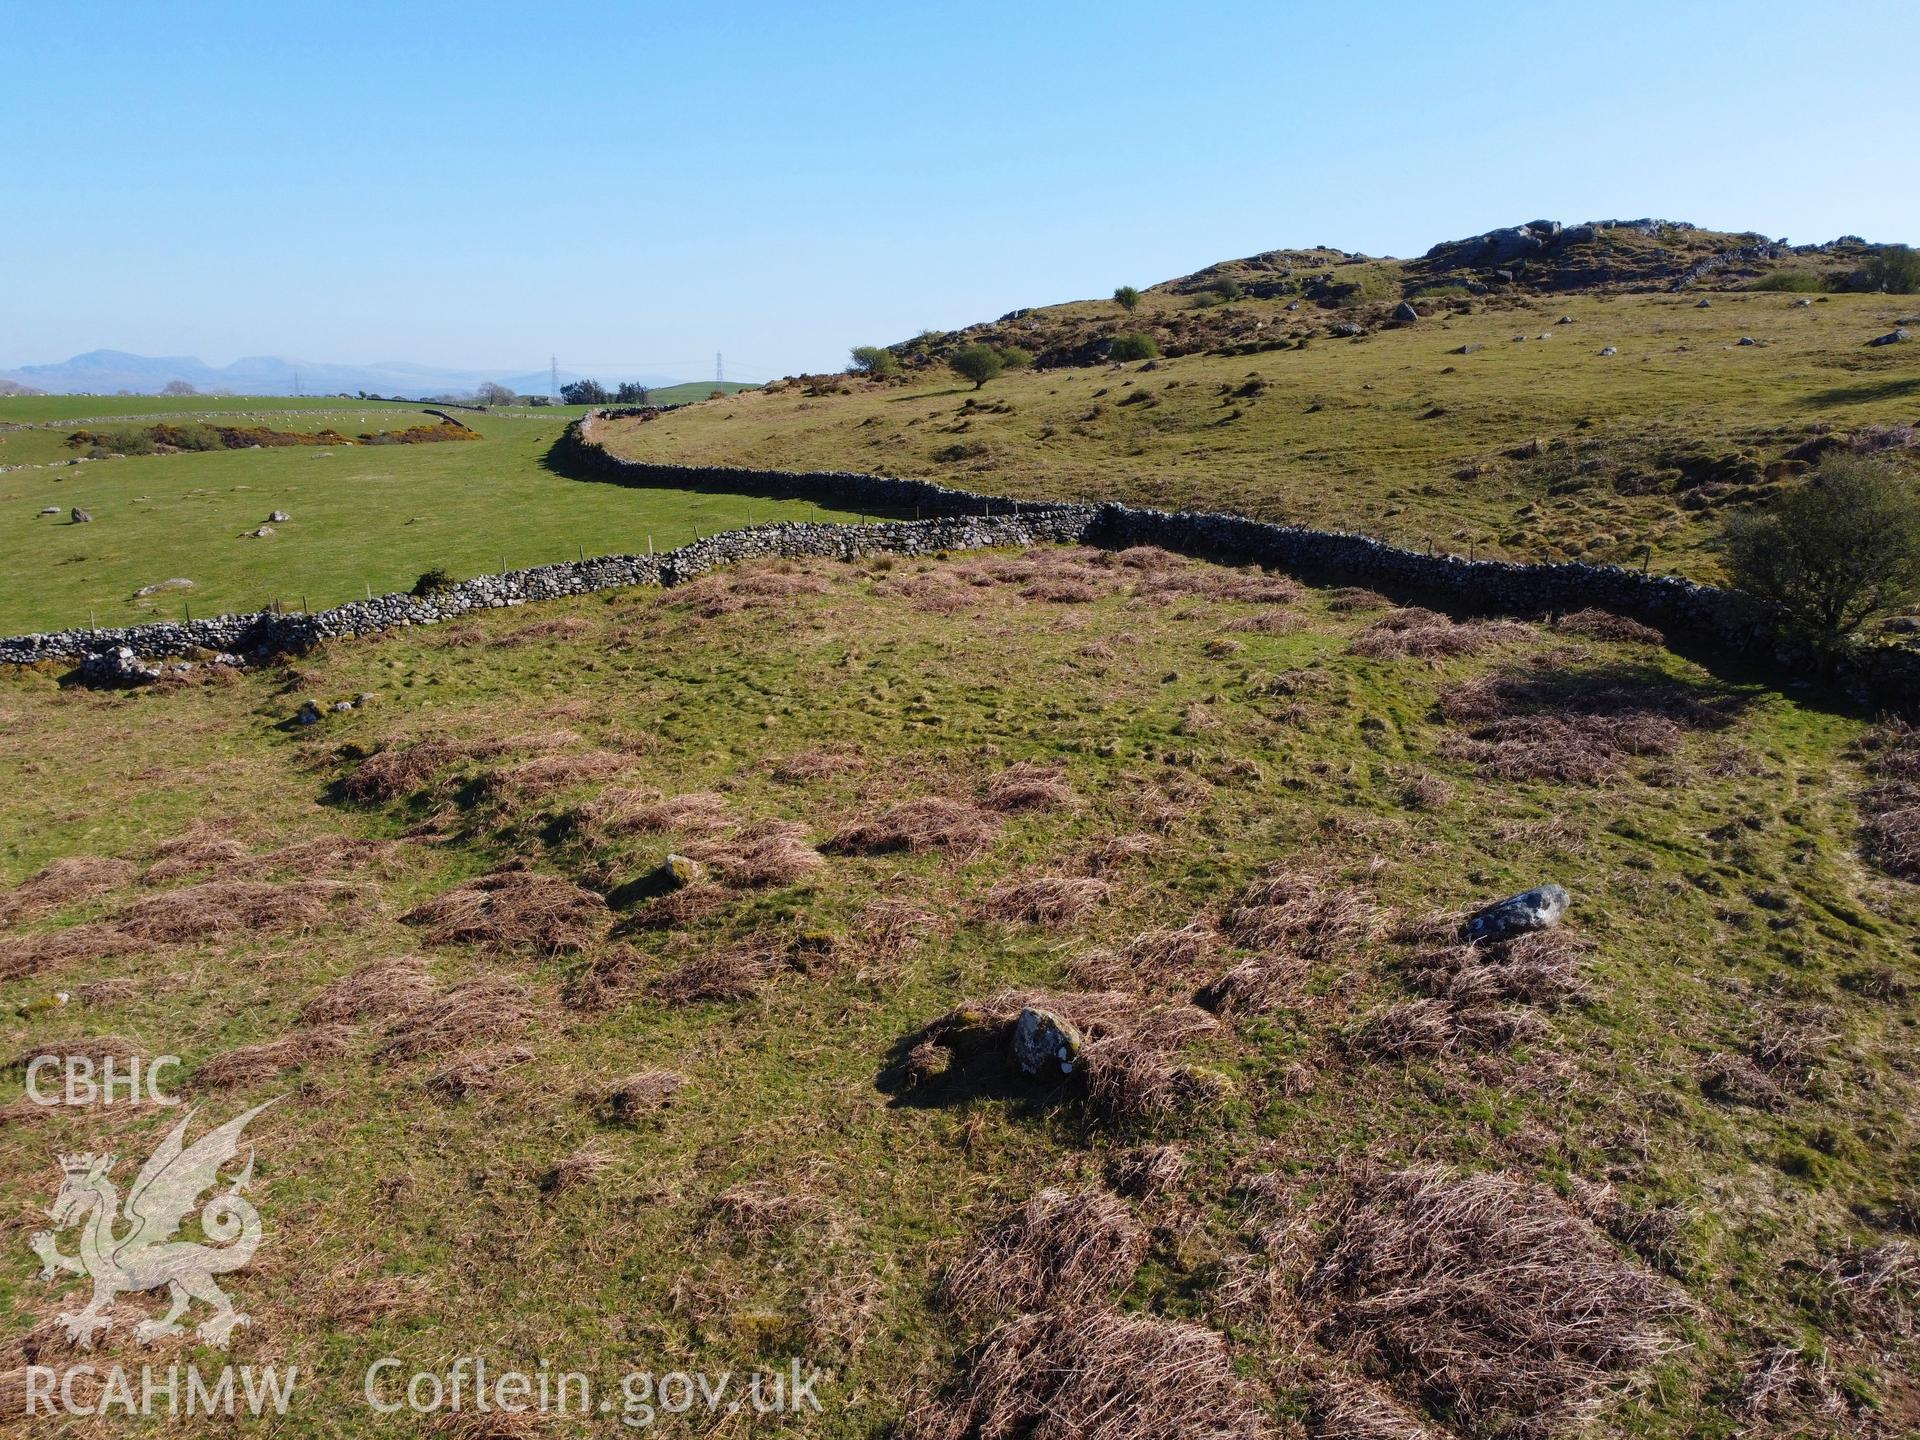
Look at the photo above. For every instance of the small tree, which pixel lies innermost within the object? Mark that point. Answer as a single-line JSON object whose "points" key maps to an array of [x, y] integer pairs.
{"points": [[1134, 345], [1015, 357], [1894, 269], [491, 393], [1127, 298], [584, 392], [178, 387], [977, 362], [1834, 553], [875, 360], [632, 392]]}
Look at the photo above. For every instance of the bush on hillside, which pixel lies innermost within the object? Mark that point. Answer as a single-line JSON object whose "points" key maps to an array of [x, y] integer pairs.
{"points": [[1833, 553], [1894, 269], [1013, 357], [1127, 298], [431, 582], [1794, 282], [875, 360], [1134, 345], [977, 362]]}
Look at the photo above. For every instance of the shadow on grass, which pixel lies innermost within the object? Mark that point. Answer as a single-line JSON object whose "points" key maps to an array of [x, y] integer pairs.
{"points": [[1892, 387]]}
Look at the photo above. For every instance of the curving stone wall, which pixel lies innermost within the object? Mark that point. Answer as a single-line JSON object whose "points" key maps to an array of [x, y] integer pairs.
{"points": [[1722, 622]]}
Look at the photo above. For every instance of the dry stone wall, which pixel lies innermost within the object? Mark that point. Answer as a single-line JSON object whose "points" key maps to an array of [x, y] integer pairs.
{"points": [[1720, 621]]}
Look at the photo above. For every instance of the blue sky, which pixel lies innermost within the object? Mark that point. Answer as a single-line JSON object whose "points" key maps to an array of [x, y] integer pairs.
{"points": [[635, 187]]}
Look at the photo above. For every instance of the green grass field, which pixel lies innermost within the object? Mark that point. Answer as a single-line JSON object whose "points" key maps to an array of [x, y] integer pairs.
{"points": [[363, 518], [1534, 449], [1708, 1077]]}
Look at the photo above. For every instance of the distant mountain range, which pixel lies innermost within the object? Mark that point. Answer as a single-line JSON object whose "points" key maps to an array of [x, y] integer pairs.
{"points": [[103, 372]]}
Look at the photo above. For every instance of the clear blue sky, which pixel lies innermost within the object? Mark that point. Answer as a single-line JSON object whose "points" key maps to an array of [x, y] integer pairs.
{"points": [[481, 184]]}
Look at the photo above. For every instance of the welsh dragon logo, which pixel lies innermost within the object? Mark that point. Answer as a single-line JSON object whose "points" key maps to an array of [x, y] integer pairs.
{"points": [[147, 1256]]}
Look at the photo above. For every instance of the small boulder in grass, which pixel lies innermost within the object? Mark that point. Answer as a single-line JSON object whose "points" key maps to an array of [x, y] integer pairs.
{"points": [[1045, 1043], [1541, 908], [676, 872]]}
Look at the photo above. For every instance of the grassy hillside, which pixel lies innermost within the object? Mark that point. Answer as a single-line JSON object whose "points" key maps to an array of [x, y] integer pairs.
{"points": [[569, 1115], [362, 518], [1541, 448]]}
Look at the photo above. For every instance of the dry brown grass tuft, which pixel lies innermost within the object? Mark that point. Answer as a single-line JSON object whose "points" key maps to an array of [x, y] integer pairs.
{"points": [[643, 812], [805, 766], [1045, 900], [389, 773], [642, 1095], [1421, 1028], [1497, 1301], [1094, 1374], [1892, 806], [931, 822], [1132, 1084], [1027, 786], [1062, 1247], [1426, 634], [1347, 598], [887, 930], [1300, 910], [1346, 1409], [478, 1071], [1148, 1171], [738, 972], [561, 627], [1151, 958], [1544, 968], [679, 909], [1737, 1080], [320, 855], [1878, 1287], [486, 1007], [22, 955], [574, 1170], [375, 991], [196, 849], [513, 909], [1578, 728], [757, 1211], [768, 852], [220, 908], [543, 774], [1254, 986], [251, 1064], [1605, 625], [71, 881]]}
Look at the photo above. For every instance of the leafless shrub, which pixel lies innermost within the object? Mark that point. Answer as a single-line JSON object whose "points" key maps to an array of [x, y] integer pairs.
{"points": [[929, 823], [642, 1095], [478, 1071], [1061, 1247], [514, 909], [1148, 1171], [487, 1007], [1605, 625], [251, 1064], [1496, 1300], [1045, 900], [384, 988], [1027, 787], [220, 908], [1094, 1374], [1414, 632], [1300, 910], [71, 881]]}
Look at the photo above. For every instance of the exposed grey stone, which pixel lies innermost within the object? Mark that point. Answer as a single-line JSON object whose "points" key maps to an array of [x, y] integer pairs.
{"points": [[1703, 303], [261, 533], [1466, 349], [1892, 337], [1541, 908], [1748, 340], [1046, 1044], [81, 517], [1405, 313], [307, 714], [278, 517], [177, 583], [117, 667], [51, 510], [1608, 350]]}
